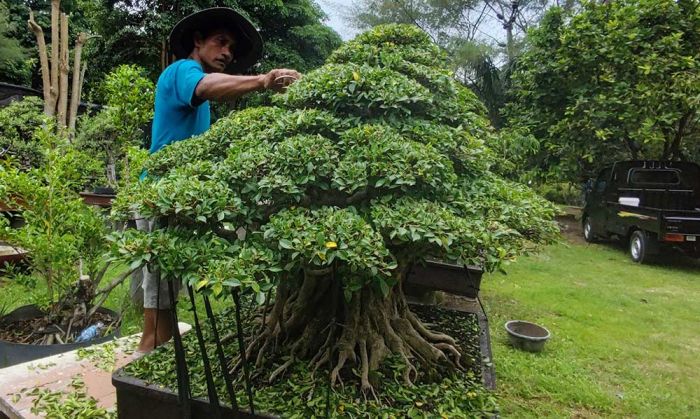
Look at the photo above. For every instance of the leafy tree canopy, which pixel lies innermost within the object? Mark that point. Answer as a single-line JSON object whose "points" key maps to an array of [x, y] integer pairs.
{"points": [[134, 31], [367, 165], [619, 80], [11, 52]]}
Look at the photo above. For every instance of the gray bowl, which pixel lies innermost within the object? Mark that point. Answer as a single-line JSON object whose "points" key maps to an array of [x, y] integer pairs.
{"points": [[527, 336]]}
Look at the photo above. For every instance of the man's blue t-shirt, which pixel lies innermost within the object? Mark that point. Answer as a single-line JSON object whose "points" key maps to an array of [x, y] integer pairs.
{"points": [[176, 117]]}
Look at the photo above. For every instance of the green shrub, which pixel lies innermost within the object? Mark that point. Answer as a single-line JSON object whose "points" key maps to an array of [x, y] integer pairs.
{"points": [[19, 121]]}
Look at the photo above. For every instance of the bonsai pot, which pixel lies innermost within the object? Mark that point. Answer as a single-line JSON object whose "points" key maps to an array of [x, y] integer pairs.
{"points": [[437, 275], [103, 190], [10, 255], [527, 336], [138, 399], [16, 353], [103, 200]]}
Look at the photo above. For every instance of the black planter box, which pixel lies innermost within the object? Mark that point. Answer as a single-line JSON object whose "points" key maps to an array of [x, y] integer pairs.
{"points": [[452, 278], [137, 399], [16, 353]]}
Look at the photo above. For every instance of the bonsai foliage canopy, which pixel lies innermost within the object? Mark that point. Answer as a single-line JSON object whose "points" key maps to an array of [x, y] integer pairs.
{"points": [[367, 165]]}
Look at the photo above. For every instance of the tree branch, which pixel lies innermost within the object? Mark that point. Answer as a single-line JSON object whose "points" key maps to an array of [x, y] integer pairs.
{"points": [[76, 88], [104, 292]]}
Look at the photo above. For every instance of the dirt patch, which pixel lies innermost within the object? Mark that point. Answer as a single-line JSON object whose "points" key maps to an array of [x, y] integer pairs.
{"points": [[570, 228]]}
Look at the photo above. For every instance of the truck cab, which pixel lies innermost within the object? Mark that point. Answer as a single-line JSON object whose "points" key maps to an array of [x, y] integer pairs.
{"points": [[652, 204]]}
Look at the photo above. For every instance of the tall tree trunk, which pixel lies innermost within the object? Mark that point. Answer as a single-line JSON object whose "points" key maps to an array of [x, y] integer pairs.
{"points": [[675, 149], [43, 60], [76, 88], [55, 26], [63, 75]]}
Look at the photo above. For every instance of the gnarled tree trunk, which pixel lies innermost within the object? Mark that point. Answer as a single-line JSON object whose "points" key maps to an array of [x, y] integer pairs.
{"points": [[312, 321]]}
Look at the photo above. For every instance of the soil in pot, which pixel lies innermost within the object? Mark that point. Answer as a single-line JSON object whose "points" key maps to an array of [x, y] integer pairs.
{"points": [[300, 393], [22, 331]]}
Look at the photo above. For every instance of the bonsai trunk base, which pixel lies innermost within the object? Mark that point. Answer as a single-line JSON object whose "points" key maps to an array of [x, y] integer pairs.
{"points": [[315, 324]]}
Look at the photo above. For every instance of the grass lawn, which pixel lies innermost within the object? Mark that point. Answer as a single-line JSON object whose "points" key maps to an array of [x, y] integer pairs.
{"points": [[626, 338]]}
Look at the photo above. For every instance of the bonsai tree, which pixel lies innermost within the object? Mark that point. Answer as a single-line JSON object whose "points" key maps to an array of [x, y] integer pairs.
{"points": [[366, 166], [116, 129], [64, 237]]}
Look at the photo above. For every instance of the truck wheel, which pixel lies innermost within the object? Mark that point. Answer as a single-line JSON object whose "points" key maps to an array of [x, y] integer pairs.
{"points": [[640, 247], [588, 230]]}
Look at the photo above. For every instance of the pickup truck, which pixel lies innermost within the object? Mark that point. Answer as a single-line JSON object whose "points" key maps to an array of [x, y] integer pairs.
{"points": [[653, 205]]}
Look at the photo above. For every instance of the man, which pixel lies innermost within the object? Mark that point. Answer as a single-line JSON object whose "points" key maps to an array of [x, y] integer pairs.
{"points": [[210, 46]]}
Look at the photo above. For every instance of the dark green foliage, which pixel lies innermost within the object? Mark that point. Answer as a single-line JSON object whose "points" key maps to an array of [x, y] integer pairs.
{"points": [[619, 80], [13, 67], [19, 121], [351, 141]]}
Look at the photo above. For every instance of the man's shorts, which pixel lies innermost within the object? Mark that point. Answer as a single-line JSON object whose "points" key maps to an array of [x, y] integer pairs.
{"points": [[144, 283]]}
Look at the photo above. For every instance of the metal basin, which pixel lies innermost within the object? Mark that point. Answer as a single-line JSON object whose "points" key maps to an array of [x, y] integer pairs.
{"points": [[527, 336]]}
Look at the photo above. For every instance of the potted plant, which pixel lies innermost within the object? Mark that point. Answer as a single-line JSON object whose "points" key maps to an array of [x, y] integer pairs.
{"points": [[65, 243], [364, 168]]}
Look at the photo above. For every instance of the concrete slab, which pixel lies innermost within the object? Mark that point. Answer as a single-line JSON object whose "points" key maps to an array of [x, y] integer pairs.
{"points": [[89, 368]]}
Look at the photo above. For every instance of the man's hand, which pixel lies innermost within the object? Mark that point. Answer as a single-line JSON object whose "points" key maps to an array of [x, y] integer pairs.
{"points": [[279, 79]]}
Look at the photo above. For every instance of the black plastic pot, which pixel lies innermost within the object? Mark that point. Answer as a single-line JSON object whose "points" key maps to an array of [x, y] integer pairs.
{"points": [[15, 353]]}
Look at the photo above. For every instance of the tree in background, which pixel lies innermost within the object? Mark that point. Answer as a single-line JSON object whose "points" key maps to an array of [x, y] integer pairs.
{"points": [[119, 126], [135, 32], [12, 55], [28, 72], [470, 32], [619, 80]]}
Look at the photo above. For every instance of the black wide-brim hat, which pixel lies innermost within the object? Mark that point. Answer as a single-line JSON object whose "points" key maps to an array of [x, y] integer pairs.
{"points": [[248, 44]]}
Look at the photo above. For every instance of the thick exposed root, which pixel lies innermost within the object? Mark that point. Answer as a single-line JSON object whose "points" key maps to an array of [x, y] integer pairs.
{"points": [[313, 322]]}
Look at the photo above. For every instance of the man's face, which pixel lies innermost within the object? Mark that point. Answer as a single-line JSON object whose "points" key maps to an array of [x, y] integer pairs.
{"points": [[216, 50]]}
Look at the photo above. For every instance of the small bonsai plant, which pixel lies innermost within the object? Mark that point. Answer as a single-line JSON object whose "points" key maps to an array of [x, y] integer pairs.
{"points": [[117, 131], [366, 166]]}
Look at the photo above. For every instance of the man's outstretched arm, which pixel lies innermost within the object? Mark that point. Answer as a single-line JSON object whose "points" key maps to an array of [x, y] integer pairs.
{"points": [[221, 87]]}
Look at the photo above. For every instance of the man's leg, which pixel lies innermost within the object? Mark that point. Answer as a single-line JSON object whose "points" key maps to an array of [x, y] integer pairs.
{"points": [[151, 336], [157, 317]]}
